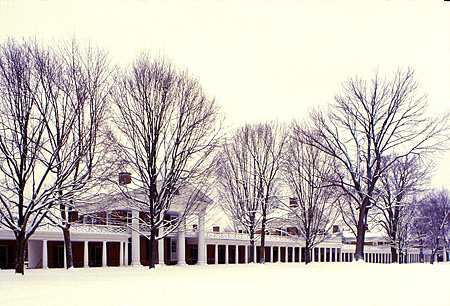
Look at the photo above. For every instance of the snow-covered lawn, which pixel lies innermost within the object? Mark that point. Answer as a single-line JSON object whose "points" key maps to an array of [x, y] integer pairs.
{"points": [[271, 284]]}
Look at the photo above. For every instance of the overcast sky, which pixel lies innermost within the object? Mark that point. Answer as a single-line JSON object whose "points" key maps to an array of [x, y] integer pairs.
{"points": [[262, 60]]}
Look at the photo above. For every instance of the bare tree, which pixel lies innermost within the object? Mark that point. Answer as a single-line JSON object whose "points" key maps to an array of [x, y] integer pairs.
{"points": [[20, 144], [307, 172], [266, 144], [399, 185], [77, 90], [237, 186], [254, 155], [367, 122], [434, 220], [168, 129], [29, 79]]}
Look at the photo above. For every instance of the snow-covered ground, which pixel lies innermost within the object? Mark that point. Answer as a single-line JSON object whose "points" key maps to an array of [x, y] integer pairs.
{"points": [[271, 284]]}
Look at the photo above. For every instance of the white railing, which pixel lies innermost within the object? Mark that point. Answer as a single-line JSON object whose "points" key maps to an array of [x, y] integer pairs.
{"points": [[143, 228], [48, 228], [242, 236], [227, 235], [87, 228], [281, 238], [96, 228]]}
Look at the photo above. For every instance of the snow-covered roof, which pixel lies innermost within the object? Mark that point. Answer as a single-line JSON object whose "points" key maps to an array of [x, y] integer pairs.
{"points": [[369, 236], [123, 200]]}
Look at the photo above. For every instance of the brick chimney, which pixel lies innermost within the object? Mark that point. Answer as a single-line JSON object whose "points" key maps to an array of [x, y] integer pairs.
{"points": [[124, 178]]}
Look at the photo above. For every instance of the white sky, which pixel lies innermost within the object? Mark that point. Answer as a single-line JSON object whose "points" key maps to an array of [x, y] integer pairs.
{"points": [[262, 60]]}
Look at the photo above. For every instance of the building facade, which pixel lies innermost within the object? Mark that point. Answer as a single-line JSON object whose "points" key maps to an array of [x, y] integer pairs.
{"points": [[115, 235]]}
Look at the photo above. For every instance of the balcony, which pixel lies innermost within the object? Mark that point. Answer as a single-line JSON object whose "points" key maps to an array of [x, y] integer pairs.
{"points": [[88, 228], [245, 237]]}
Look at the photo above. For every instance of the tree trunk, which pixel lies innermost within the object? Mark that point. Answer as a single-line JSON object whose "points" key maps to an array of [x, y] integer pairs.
{"points": [[262, 255], [307, 254], [421, 259], [68, 244], [393, 254], [152, 249], [20, 253], [251, 257], [361, 230]]}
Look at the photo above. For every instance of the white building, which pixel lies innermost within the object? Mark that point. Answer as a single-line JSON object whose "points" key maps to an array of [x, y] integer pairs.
{"points": [[110, 234]]}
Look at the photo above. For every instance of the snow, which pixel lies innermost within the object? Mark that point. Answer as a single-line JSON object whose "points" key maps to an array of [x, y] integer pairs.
{"points": [[270, 284]]}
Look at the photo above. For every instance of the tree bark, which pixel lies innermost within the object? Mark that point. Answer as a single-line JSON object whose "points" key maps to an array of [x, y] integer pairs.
{"points": [[20, 253], [361, 229], [262, 255], [152, 249], [421, 251], [433, 256], [68, 244], [393, 254], [307, 254], [251, 256]]}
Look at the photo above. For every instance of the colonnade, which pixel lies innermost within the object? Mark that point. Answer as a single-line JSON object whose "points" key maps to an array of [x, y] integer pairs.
{"points": [[232, 251], [291, 254], [123, 253], [181, 242]]}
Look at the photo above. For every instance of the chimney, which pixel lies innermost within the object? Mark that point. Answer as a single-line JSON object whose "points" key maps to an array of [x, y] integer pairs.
{"points": [[124, 178], [335, 229]]}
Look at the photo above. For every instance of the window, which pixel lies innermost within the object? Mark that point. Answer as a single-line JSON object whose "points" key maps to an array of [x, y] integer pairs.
{"points": [[293, 202], [88, 219], [73, 215], [173, 249], [58, 256], [292, 231], [128, 217], [110, 218]]}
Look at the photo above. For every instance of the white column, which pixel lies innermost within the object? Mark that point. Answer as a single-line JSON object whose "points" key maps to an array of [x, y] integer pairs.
{"points": [[104, 258], [121, 247], [135, 239], [44, 255], [246, 253], [226, 254], [125, 245], [86, 254], [201, 239], [255, 252], [161, 252], [216, 254], [236, 254], [271, 259], [286, 254], [181, 245]]}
